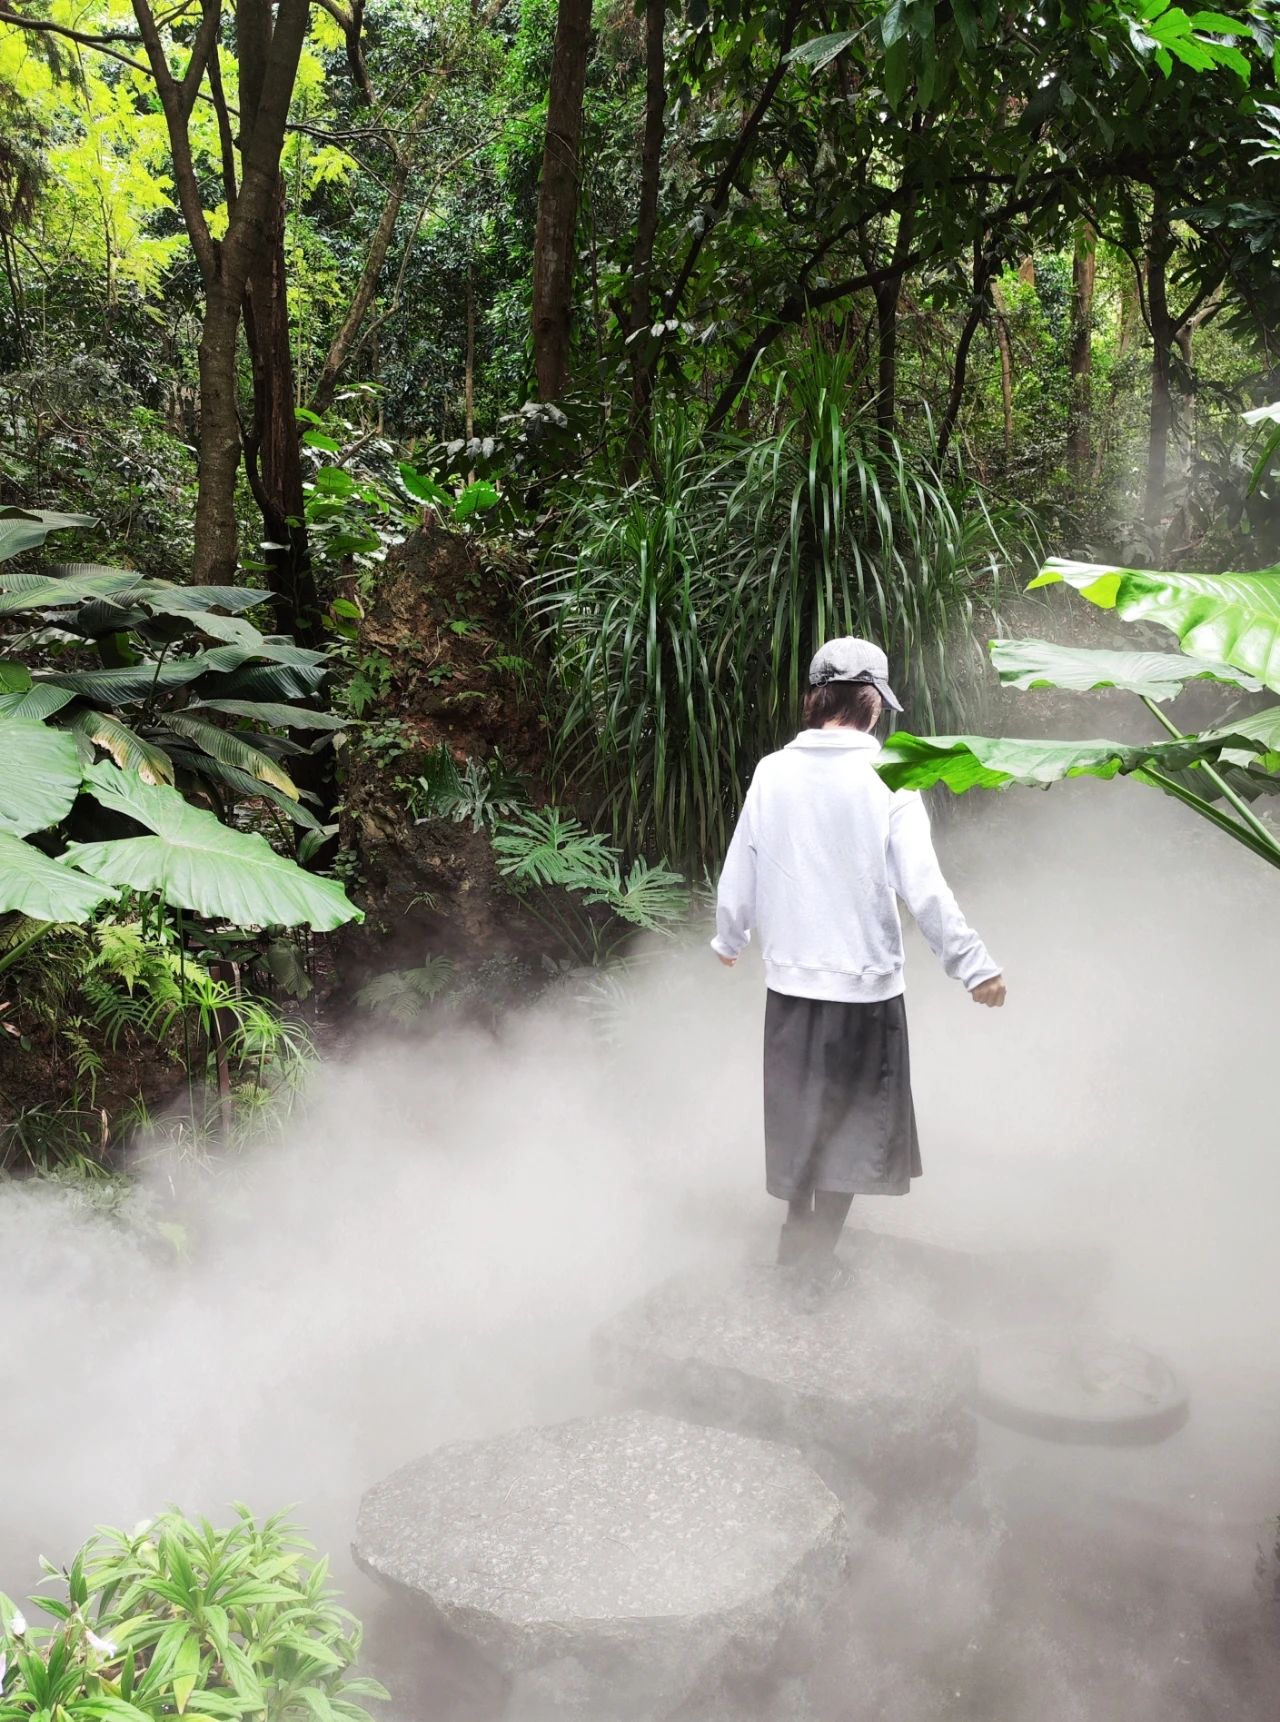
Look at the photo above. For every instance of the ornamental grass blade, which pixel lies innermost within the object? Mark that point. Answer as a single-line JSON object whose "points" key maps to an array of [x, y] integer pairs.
{"points": [[1223, 618], [197, 863], [1154, 675], [44, 890], [39, 775], [964, 762]]}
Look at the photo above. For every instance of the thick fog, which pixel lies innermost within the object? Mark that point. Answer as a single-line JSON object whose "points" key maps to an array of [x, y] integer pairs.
{"points": [[427, 1255]]}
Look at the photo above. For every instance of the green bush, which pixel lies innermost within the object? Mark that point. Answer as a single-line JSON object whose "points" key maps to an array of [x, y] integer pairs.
{"points": [[177, 1618]]}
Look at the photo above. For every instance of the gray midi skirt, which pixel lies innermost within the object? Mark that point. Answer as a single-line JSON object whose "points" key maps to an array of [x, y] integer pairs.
{"points": [[838, 1113]]}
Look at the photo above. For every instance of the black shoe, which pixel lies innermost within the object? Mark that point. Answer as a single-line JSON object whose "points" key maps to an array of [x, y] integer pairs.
{"points": [[823, 1280]]}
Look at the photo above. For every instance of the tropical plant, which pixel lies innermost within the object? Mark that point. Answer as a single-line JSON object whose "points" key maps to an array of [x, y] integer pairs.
{"points": [[179, 1618], [402, 995], [177, 692], [681, 611], [561, 872], [1228, 629], [482, 791]]}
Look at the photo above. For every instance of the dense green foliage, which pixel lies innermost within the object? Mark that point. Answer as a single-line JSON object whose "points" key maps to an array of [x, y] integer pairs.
{"points": [[177, 1618], [718, 329]]}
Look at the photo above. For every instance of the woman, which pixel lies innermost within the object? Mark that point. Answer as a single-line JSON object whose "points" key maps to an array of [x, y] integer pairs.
{"points": [[821, 852]]}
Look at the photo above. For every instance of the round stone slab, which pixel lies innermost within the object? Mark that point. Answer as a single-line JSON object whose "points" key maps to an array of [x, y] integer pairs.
{"points": [[875, 1379], [612, 1564], [1079, 1384]]}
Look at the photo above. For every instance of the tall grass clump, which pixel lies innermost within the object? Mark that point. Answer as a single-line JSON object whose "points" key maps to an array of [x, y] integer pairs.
{"points": [[681, 612]]}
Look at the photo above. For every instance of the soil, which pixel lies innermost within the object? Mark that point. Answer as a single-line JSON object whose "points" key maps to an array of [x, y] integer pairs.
{"points": [[445, 628]]}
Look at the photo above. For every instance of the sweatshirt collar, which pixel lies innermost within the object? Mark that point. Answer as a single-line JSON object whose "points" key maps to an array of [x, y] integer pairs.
{"points": [[839, 737]]}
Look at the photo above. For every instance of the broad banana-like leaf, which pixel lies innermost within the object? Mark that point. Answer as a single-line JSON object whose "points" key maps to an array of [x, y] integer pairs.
{"points": [[986, 762], [1223, 618], [1262, 729], [1155, 675], [275, 716], [114, 583], [44, 890], [232, 749], [272, 681], [247, 788], [197, 863], [126, 747], [39, 701], [121, 687], [39, 776], [182, 599], [25, 528]]}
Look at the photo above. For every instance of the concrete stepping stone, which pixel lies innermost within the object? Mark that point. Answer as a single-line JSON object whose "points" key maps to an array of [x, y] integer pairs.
{"points": [[620, 1566], [872, 1385], [1079, 1384]]}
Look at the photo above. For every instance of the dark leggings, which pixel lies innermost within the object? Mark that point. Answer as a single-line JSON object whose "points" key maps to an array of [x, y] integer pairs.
{"points": [[825, 1210]]}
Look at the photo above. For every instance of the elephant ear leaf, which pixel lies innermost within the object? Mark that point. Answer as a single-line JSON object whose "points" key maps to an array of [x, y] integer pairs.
{"points": [[44, 890], [194, 861], [964, 762], [126, 747], [26, 528], [39, 776], [1154, 675], [1223, 618]]}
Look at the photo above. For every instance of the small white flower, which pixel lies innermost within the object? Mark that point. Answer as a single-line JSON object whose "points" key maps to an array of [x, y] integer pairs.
{"points": [[103, 1646], [18, 1625]]}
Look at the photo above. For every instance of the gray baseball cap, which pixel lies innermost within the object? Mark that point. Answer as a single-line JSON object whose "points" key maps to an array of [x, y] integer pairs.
{"points": [[850, 660]]}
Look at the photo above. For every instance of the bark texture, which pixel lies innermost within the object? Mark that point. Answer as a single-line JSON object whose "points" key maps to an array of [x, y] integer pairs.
{"points": [[554, 246]]}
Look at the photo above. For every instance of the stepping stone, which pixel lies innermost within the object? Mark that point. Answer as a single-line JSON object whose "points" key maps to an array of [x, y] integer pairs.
{"points": [[620, 1567], [874, 1384], [1081, 1385]]}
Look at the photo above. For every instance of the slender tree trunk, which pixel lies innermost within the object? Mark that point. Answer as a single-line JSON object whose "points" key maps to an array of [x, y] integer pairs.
{"points": [[554, 255], [1080, 352], [272, 453], [977, 310], [1005, 346], [469, 381], [1159, 250], [642, 357], [218, 461]]}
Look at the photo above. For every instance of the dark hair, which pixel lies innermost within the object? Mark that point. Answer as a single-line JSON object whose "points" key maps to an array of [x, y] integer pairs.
{"points": [[856, 704]]}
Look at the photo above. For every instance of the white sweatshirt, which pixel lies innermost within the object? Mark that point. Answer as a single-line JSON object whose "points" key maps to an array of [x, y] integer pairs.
{"points": [[820, 852]]}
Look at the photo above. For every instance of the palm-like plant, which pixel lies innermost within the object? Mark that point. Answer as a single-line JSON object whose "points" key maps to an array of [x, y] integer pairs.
{"points": [[681, 612]]}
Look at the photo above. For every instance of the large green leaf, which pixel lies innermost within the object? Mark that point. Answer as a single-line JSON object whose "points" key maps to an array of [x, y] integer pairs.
{"points": [[271, 681], [1155, 675], [129, 750], [44, 890], [247, 788], [116, 584], [25, 528], [1224, 618], [986, 762], [232, 749], [275, 715], [121, 687], [39, 701], [39, 775], [197, 863], [1263, 729]]}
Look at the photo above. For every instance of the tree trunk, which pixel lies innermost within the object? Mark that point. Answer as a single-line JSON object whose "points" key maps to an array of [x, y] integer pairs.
{"points": [[642, 356], [272, 453], [553, 247], [1159, 250], [216, 546], [1080, 352], [1005, 346]]}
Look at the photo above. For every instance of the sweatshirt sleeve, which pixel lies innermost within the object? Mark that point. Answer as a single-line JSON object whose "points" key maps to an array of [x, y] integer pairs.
{"points": [[736, 892], [917, 878]]}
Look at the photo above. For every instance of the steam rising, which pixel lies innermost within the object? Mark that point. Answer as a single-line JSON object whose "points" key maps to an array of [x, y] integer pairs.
{"points": [[426, 1259]]}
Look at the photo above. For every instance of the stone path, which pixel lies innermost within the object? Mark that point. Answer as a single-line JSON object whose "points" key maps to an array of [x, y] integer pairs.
{"points": [[614, 1566], [876, 1381]]}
